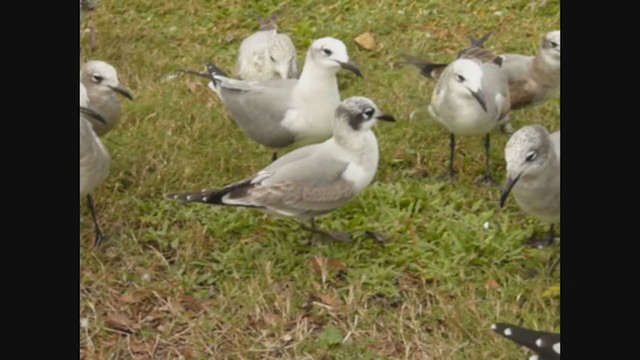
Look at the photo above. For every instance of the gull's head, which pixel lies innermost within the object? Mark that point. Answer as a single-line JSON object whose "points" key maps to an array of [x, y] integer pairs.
{"points": [[527, 153], [282, 54], [331, 53], [551, 43], [359, 114], [464, 76], [99, 76]]}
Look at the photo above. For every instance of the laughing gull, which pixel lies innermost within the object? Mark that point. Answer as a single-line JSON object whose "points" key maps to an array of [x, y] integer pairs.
{"points": [[534, 79], [471, 98], [267, 55], [533, 175], [545, 344], [283, 112], [94, 158], [103, 87], [315, 179]]}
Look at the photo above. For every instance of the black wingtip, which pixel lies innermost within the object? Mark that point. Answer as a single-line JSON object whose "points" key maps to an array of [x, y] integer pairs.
{"points": [[545, 344], [427, 68], [480, 42], [215, 71]]}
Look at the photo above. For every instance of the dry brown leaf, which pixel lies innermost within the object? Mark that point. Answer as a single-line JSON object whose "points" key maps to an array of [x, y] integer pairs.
{"points": [[121, 322], [270, 319], [492, 284], [135, 297], [318, 262], [192, 86], [366, 41], [140, 347], [329, 300]]}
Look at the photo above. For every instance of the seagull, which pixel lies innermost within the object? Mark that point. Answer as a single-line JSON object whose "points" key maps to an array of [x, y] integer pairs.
{"points": [[283, 112], [267, 55], [101, 82], [94, 158], [470, 98], [532, 79], [545, 344], [533, 175], [312, 180]]}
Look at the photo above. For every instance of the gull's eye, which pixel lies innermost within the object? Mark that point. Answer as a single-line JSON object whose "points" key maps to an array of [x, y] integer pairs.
{"points": [[554, 44], [272, 58], [368, 113], [96, 78], [327, 52], [531, 155], [460, 78]]}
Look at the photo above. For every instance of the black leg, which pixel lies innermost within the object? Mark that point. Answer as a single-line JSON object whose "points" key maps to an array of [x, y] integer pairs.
{"points": [[554, 266], [92, 33], [274, 157], [544, 242], [333, 235], [487, 179], [452, 148], [99, 235]]}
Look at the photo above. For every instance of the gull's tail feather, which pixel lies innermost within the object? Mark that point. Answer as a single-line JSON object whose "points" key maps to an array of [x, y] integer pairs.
{"points": [[216, 196], [427, 68], [546, 345]]}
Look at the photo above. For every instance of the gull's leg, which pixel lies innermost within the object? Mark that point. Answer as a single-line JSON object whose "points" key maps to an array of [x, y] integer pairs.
{"points": [[544, 242], [92, 33], [274, 157], [487, 179], [452, 147], [99, 235], [333, 235]]}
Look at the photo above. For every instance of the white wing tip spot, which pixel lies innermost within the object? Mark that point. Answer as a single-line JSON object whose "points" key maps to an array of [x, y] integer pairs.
{"points": [[556, 347], [494, 327], [190, 197], [539, 342], [205, 199], [508, 332]]}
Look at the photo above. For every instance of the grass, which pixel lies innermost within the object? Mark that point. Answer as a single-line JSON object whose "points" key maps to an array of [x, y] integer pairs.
{"points": [[196, 282]]}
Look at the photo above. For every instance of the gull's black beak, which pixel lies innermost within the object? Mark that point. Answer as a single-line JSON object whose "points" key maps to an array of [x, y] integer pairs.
{"points": [[121, 91], [386, 117], [507, 189], [351, 67], [94, 114], [478, 95]]}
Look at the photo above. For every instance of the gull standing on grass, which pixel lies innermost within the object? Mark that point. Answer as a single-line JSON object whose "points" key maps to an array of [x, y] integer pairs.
{"points": [[283, 112], [470, 98], [545, 344], [533, 175], [315, 179], [103, 87], [94, 158], [266, 55], [532, 79]]}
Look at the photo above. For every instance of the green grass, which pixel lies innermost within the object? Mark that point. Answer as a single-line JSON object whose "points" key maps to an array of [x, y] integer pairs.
{"points": [[195, 282]]}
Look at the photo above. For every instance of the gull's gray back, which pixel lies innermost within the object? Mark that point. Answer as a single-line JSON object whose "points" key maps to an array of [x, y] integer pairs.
{"points": [[259, 112]]}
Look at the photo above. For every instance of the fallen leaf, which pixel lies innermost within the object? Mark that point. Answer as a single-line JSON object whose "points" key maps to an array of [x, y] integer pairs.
{"points": [[492, 284], [135, 297], [121, 322], [140, 347], [366, 41], [318, 262], [191, 86], [270, 319], [553, 291], [329, 300]]}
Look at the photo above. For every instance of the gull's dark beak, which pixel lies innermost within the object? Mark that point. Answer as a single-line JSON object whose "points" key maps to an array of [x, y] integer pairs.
{"points": [[386, 117], [478, 95], [94, 114], [121, 91], [507, 189], [351, 67]]}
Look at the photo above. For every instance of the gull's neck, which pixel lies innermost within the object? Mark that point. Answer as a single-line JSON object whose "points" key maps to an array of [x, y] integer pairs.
{"points": [[545, 69], [316, 81]]}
